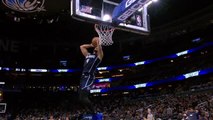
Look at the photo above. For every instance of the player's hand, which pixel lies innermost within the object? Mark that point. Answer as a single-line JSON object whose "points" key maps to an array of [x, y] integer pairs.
{"points": [[98, 43], [91, 45]]}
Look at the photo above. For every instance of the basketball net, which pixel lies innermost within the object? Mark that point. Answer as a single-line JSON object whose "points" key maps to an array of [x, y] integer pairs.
{"points": [[105, 33]]}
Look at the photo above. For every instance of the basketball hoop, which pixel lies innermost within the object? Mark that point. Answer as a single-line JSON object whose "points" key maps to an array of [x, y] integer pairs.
{"points": [[105, 33]]}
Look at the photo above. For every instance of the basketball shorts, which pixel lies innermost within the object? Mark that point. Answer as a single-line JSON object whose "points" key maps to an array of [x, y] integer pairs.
{"points": [[86, 81]]}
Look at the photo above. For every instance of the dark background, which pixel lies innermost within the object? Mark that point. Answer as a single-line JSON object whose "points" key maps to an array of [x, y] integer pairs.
{"points": [[44, 44]]}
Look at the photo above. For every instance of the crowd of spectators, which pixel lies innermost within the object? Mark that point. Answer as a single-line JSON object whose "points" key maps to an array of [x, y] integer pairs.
{"points": [[169, 68], [191, 99], [195, 102]]}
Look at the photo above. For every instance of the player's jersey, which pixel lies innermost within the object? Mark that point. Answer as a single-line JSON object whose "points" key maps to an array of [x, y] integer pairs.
{"points": [[90, 64]]}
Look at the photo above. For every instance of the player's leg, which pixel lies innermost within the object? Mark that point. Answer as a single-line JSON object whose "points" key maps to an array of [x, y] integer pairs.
{"points": [[84, 92]]}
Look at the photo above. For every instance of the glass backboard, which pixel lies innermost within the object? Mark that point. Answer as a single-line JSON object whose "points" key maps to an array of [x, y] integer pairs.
{"points": [[127, 15]]}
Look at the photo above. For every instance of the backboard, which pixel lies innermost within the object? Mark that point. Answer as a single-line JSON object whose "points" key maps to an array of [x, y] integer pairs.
{"points": [[127, 15]]}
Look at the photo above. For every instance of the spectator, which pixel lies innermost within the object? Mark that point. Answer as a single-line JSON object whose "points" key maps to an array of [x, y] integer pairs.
{"points": [[149, 115], [191, 114]]}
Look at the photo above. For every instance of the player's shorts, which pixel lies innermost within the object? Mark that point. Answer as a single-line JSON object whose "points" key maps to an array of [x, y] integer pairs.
{"points": [[86, 81]]}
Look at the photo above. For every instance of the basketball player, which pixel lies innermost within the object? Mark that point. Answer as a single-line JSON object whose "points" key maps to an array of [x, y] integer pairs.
{"points": [[92, 60]]}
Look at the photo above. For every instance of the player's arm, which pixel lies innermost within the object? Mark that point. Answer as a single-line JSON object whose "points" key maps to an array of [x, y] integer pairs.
{"points": [[100, 51], [84, 48]]}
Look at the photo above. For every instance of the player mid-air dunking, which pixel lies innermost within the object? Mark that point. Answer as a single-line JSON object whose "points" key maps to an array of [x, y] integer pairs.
{"points": [[91, 62]]}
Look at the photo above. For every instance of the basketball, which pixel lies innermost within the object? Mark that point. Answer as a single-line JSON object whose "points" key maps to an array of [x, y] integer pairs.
{"points": [[95, 41]]}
